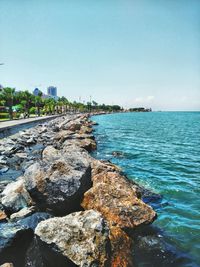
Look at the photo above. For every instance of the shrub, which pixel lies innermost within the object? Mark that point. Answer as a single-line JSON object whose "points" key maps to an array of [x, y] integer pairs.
{"points": [[4, 115], [32, 110]]}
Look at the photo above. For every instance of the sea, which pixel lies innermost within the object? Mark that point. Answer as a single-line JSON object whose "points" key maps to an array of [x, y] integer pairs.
{"points": [[160, 151]]}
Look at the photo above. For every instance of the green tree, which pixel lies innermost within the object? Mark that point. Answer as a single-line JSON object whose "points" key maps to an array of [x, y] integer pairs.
{"points": [[26, 99], [39, 103], [50, 106], [66, 103], [7, 97]]}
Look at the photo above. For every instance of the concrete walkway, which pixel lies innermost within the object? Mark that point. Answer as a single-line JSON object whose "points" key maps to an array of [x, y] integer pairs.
{"points": [[8, 126]]}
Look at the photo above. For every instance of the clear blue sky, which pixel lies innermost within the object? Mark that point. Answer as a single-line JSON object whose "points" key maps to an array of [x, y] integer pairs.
{"points": [[132, 53]]}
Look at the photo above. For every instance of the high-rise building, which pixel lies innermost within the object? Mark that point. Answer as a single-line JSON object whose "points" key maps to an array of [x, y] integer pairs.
{"points": [[36, 91], [52, 90]]}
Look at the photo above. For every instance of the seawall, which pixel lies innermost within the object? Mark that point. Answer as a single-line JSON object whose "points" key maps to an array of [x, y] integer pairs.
{"points": [[66, 208]]}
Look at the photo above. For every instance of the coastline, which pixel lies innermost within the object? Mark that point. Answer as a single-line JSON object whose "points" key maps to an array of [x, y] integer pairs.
{"points": [[67, 181], [11, 127], [131, 146]]}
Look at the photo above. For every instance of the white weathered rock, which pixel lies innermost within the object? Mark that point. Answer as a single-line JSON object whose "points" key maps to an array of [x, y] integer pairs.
{"points": [[82, 237], [22, 213], [50, 153], [7, 265], [15, 196]]}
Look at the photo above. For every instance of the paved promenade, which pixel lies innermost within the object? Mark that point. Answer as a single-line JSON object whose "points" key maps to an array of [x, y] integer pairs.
{"points": [[7, 126]]}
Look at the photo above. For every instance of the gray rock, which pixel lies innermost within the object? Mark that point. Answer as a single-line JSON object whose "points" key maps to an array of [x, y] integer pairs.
{"points": [[14, 161], [21, 155], [73, 126], [31, 140], [3, 160], [63, 135], [25, 164], [50, 154], [87, 144], [32, 221], [63, 125], [118, 154], [81, 238], [33, 257], [83, 136], [94, 123], [60, 180], [86, 129], [20, 230]]}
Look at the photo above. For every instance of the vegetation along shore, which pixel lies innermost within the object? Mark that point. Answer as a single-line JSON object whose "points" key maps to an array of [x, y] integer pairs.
{"points": [[23, 104], [63, 207]]}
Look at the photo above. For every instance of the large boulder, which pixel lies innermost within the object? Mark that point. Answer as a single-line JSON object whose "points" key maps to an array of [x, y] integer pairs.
{"points": [[117, 200], [63, 135], [15, 197], [94, 123], [86, 143], [16, 237], [60, 180], [99, 166], [83, 136], [33, 257], [82, 239], [63, 125], [85, 129], [74, 126], [10, 232]]}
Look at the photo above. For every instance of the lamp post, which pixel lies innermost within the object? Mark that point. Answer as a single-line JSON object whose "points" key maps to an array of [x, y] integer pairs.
{"points": [[90, 103]]}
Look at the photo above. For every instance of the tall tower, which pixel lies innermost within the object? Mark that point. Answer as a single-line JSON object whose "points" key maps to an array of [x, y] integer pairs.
{"points": [[52, 91]]}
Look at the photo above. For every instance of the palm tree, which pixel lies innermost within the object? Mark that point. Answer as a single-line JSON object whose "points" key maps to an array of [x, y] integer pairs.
{"points": [[65, 103], [94, 104], [50, 105], [7, 95], [39, 102], [26, 99]]}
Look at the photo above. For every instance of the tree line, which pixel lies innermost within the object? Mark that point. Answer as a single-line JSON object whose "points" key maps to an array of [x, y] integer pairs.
{"points": [[16, 103]]}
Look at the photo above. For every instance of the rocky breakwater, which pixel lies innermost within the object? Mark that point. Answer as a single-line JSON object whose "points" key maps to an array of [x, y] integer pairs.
{"points": [[66, 208]]}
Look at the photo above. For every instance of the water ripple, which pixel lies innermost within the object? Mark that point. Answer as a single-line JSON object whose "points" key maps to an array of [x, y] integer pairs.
{"points": [[161, 150]]}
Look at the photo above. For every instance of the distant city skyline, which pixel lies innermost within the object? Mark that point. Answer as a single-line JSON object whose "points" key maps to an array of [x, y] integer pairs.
{"points": [[50, 92], [130, 53]]}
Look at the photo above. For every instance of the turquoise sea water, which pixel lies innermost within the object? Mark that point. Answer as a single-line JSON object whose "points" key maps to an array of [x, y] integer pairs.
{"points": [[160, 150]]}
